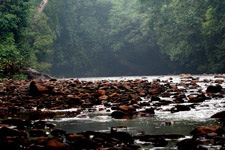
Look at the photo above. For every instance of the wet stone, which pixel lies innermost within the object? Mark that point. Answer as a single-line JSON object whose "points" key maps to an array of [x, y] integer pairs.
{"points": [[214, 89], [37, 133]]}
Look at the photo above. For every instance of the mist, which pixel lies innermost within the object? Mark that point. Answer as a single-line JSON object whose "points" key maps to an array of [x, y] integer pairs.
{"points": [[131, 37]]}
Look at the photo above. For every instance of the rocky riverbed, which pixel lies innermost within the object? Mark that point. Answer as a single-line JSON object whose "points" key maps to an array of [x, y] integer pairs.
{"points": [[29, 109]]}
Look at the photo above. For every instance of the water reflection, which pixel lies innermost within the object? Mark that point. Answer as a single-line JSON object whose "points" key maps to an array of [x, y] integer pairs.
{"points": [[152, 125]]}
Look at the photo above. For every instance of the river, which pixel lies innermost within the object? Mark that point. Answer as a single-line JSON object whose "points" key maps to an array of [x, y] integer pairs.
{"points": [[163, 122]]}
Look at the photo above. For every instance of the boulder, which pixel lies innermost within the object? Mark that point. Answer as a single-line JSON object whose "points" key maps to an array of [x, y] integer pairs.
{"points": [[178, 108], [34, 74], [155, 98], [58, 132], [37, 133], [220, 115], [100, 93], [14, 122], [121, 115], [220, 81], [187, 144], [214, 89], [4, 131], [127, 108], [55, 144], [37, 89], [204, 130]]}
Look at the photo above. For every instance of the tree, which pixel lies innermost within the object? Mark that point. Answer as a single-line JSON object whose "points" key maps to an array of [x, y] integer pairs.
{"points": [[13, 23]]}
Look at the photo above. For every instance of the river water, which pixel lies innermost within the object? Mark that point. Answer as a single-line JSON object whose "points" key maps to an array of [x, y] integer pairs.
{"points": [[163, 122]]}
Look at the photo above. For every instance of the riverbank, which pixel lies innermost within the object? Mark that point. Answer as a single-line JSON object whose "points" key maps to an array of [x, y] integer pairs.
{"points": [[28, 102]]}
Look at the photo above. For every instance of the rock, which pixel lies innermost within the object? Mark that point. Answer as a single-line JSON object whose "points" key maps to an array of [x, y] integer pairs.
{"points": [[53, 79], [103, 97], [100, 93], [37, 133], [219, 81], [75, 137], [178, 108], [121, 115], [14, 122], [127, 87], [58, 132], [34, 74], [127, 108], [214, 89], [207, 80], [4, 131], [39, 125], [55, 144], [204, 130], [220, 114], [79, 141], [6, 144], [37, 89], [123, 137], [50, 125], [173, 86], [219, 76], [187, 144], [153, 91], [41, 141], [198, 98], [74, 100], [186, 76], [147, 112], [155, 98]]}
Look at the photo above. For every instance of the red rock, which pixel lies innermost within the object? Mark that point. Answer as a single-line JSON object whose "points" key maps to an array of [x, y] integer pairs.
{"points": [[219, 76], [207, 80], [103, 97], [127, 108], [204, 130], [219, 81], [126, 86], [153, 91], [42, 140], [185, 76], [37, 89], [100, 92], [73, 137], [55, 144], [141, 92]]}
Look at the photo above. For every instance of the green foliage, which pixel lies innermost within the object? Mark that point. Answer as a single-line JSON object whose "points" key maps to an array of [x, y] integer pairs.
{"points": [[191, 32], [13, 23], [112, 37]]}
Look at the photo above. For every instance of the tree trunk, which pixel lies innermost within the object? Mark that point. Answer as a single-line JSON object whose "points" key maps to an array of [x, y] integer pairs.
{"points": [[42, 6]]}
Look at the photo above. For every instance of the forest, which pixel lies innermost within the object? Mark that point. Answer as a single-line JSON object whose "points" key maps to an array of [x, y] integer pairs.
{"points": [[77, 38]]}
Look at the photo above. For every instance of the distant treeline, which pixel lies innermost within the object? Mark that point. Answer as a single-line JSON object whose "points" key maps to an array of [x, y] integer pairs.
{"points": [[78, 38]]}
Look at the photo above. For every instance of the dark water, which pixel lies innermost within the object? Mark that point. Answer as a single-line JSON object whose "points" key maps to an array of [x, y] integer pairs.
{"points": [[150, 125]]}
